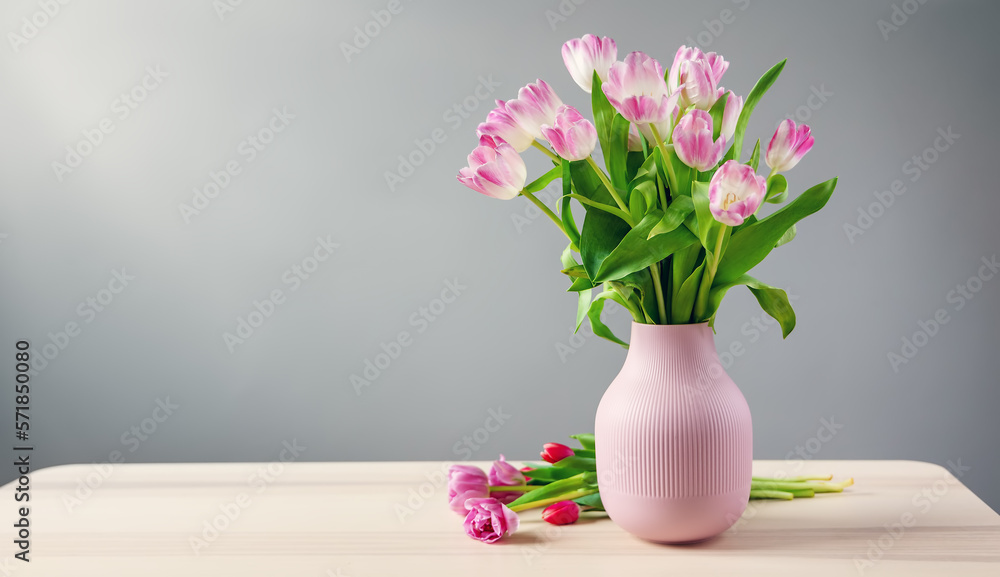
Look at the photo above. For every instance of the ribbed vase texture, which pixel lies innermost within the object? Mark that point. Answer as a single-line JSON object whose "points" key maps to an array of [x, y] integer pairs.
{"points": [[674, 438]]}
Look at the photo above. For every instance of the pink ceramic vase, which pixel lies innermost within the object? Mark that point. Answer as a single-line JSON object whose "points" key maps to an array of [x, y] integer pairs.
{"points": [[674, 438]]}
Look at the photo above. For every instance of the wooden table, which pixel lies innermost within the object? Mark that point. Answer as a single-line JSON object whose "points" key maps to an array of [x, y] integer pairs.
{"points": [[357, 519]]}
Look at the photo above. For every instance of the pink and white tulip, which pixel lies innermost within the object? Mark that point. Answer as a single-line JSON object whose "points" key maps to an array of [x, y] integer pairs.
{"points": [[731, 115], [489, 520], [637, 90], [572, 136], [585, 55], [698, 88], [735, 193], [503, 474], [495, 169], [693, 141], [466, 482], [535, 105], [561, 513], [501, 123], [716, 64], [788, 145]]}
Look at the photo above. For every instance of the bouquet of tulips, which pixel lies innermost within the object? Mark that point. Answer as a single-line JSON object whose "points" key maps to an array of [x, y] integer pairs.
{"points": [[671, 219], [566, 486]]}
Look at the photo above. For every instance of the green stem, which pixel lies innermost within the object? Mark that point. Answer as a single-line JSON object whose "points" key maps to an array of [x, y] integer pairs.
{"points": [[701, 303], [607, 183], [541, 206], [761, 494], [555, 157], [624, 215], [654, 270], [667, 165], [546, 502], [520, 488]]}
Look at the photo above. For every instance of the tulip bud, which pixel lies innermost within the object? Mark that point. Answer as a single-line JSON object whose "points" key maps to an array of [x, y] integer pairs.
{"points": [[735, 193], [562, 513], [585, 55], [693, 141], [788, 145], [495, 169], [555, 452], [731, 115], [572, 137]]}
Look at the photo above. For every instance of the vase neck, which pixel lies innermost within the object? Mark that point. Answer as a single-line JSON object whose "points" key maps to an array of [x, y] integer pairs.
{"points": [[672, 343]]}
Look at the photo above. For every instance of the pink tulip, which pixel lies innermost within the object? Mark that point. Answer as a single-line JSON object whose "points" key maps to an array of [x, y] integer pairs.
{"points": [[637, 90], [555, 452], [693, 141], [535, 105], [698, 88], [500, 123], [731, 115], [715, 63], [562, 513], [504, 474], [489, 520], [585, 55], [466, 482], [573, 137], [788, 145], [495, 169], [735, 193]]}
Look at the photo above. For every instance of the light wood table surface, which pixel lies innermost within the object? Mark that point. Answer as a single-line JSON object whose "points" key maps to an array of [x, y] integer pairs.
{"points": [[358, 519]]}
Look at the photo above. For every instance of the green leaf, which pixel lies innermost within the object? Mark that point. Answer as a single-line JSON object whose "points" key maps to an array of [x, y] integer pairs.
{"points": [[641, 281], [580, 284], [618, 156], [717, 111], [683, 305], [753, 98], [592, 502], [602, 233], [755, 156], [647, 188], [586, 440], [565, 210], [575, 271], [776, 189], [636, 250], [577, 462], [588, 184], [586, 453], [707, 225], [674, 216], [544, 180], [551, 473], [604, 115], [582, 306], [787, 237], [594, 314], [773, 300], [587, 480], [752, 243], [636, 205]]}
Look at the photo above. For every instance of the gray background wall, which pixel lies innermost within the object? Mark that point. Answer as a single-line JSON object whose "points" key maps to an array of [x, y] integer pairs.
{"points": [[886, 94]]}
